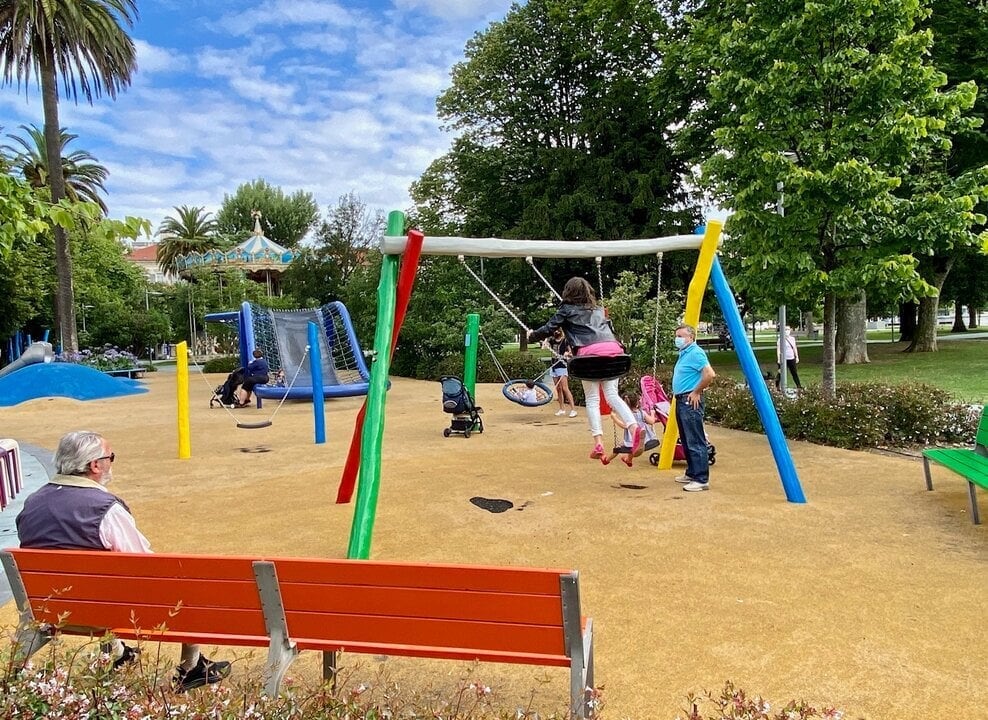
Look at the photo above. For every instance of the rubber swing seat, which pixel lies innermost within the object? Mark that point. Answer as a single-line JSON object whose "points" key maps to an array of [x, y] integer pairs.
{"points": [[254, 425], [598, 367]]}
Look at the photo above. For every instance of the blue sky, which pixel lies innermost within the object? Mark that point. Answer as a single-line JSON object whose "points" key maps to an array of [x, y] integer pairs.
{"points": [[327, 97]]}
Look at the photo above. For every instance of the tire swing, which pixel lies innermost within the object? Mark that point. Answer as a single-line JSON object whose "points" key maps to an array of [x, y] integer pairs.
{"points": [[517, 390]]}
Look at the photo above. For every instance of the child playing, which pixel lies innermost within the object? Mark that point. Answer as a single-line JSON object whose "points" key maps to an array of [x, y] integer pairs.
{"points": [[644, 422], [531, 395]]}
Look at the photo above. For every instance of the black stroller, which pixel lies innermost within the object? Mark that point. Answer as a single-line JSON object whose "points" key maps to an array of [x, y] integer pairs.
{"points": [[458, 403], [225, 395]]}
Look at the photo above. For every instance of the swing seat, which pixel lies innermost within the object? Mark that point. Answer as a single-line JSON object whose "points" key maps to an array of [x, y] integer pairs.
{"points": [[517, 391], [598, 367], [254, 425]]}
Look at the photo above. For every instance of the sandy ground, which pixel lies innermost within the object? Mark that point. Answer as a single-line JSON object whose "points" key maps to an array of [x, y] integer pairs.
{"points": [[871, 596]]}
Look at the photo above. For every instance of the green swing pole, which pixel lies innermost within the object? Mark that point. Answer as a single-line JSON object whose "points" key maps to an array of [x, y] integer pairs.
{"points": [[470, 354], [369, 477]]}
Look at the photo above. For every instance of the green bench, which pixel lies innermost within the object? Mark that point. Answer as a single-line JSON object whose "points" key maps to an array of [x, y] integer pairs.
{"points": [[971, 464]]}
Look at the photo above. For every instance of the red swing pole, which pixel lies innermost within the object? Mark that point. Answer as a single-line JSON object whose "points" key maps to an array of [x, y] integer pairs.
{"points": [[406, 280]]}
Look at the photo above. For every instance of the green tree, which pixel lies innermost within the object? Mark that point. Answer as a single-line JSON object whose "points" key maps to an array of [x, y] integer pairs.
{"points": [[286, 219], [558, 135], [191, 229], [340, 247], [84, 175], [83, 43], [845, 88]]}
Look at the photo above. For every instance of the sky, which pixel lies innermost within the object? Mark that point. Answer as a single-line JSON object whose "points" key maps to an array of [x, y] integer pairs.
{"points": [[327, 97]]}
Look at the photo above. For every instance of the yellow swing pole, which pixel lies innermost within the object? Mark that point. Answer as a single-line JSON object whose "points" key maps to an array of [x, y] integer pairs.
{"points": [[694, 299]]}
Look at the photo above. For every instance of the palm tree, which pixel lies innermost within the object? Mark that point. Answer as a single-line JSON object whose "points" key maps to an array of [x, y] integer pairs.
{"points": [[83, 42], [84, 176], [193, 230]]}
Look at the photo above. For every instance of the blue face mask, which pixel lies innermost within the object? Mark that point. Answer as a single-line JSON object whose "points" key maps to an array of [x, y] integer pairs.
{"points": [[680, 342]]}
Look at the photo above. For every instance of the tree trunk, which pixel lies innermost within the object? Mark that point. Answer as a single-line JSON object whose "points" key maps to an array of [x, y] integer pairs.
{"points": [[67, 335], [808, 325], [851, 342], [959, 325], [828, 386], [907, 321], [926, 327], [972, 316]]}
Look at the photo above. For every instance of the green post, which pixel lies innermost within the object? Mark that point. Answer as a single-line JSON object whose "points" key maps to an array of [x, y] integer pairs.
{"points": [[470, 354], [369, 477]]}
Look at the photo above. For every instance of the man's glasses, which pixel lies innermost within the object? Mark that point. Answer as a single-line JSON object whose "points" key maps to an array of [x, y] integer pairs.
{"points": [[111, 457]]}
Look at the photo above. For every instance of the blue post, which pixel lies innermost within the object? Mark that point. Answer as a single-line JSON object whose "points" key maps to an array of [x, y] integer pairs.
{"points": [[45, 338], [759, 391], [315, 370], [18, 344]]}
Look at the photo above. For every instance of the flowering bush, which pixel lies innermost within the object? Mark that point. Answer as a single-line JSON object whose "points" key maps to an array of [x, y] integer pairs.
{"points": [[862, 415], [62, 683], [735, 704], [109, 358]]}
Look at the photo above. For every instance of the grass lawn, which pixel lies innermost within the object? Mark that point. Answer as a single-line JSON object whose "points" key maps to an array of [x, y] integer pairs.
{"points": [[960, 367]]}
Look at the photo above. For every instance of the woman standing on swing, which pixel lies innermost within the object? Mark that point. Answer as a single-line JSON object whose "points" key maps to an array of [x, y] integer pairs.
{"points": [[589, 333]]}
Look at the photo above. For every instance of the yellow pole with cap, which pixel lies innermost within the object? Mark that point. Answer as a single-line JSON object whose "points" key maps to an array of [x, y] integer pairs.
{"points": [[182, 377], [694, 299]]}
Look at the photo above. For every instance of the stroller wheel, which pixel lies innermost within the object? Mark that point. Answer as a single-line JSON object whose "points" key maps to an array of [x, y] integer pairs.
{"points": [[466, 433], [447, 432], [653, 459], [711, 454]]}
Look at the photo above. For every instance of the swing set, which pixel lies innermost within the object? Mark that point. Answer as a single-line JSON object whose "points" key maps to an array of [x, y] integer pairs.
{"points": [[363, 467]]}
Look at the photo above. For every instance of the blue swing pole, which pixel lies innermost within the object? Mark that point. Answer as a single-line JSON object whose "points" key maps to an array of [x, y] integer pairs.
{"points": [[759, 391], [315, 370]]}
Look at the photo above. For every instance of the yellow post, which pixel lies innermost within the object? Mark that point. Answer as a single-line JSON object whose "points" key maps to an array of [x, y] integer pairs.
{"points": [[694, 299], [182, 376]]}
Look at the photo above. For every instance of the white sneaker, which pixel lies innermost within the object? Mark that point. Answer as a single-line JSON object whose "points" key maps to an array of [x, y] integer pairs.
{"points": [[572, 413], [683, 479], [695, 486], [559, 413]]}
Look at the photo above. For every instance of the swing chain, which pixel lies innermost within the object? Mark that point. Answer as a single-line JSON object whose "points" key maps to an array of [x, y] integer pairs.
{"points": [[655, 329], [531, 262]]}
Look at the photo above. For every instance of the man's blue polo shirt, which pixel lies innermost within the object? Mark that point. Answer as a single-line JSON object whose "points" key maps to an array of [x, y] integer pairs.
{"points": [[689, 369]]}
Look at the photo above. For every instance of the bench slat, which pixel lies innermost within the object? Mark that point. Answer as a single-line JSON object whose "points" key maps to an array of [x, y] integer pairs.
{"points": [[130, 565], [963, 461], [143, 591], [423, 632], [428, 575], [423, 603], [101, 614], [441, 653]]}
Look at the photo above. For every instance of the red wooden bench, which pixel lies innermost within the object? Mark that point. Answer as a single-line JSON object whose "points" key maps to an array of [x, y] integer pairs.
{"points": [[466, 612]]}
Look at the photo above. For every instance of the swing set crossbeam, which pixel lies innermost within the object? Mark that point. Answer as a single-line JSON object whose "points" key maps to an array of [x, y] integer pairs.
{"points": [[499, 248]]}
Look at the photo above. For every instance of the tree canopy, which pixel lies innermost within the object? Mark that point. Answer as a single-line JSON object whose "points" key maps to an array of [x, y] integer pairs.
{"points": [[286, 219]]}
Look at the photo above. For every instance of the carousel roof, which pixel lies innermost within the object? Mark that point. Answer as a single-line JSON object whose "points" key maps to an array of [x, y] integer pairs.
{"points": [[255, 253]]}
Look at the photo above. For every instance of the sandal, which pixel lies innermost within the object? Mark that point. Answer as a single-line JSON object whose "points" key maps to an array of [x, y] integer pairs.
{"points": [[597, 452]]}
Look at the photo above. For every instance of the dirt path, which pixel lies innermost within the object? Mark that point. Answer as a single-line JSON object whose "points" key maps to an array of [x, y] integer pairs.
{"points": [[871, 596]]}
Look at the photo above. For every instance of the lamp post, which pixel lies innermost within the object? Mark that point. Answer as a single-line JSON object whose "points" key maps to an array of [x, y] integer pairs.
{"points": [[147, 301], [781, 348], [84, 308]]}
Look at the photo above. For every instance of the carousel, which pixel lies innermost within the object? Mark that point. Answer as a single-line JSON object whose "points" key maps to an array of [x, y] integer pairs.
{"points": [[261, 260]]}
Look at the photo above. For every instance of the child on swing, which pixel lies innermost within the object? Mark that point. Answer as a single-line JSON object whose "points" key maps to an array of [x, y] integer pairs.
{"points": [[589, 332], [644, 421]]}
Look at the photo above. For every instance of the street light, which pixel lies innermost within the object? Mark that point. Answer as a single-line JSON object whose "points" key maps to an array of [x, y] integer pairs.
{"points": [[781, 348], [147, 302], [84, 308]]}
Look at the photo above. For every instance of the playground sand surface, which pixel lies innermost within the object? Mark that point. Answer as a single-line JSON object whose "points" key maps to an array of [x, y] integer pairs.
{"points": [[871, 596]]}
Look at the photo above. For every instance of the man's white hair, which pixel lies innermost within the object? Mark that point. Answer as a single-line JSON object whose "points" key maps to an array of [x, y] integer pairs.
{"points": [[76, 450]]}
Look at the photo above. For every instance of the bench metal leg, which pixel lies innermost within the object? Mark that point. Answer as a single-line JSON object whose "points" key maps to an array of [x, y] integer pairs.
{"points": [[974, 503], [281, 650], [30, 636], [329, 669], [926, 469]]}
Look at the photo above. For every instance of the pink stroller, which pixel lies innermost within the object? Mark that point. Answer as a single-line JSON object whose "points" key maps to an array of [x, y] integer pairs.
{"points": [[655, 398]]}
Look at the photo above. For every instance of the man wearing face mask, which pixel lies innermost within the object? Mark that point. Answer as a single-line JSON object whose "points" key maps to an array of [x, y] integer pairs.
{"points": [[690, 378], [75, 511]]}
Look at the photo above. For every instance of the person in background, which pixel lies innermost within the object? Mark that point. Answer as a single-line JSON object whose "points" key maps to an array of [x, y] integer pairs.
{"points": [[258, 373], [561, 351], [788, 349], [75, 511], [690, 377]]}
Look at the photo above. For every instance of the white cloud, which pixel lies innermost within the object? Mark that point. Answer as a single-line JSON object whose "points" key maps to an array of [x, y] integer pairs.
{"points": [[151, 59], [281, 13]]}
